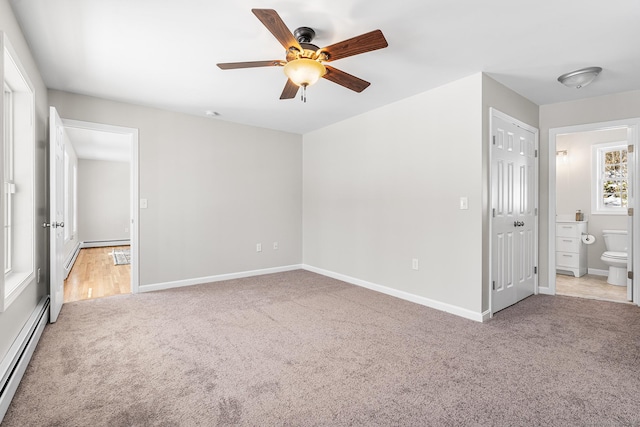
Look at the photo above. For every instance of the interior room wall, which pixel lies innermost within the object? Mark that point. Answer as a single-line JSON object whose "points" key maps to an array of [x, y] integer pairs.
{"points": [[214, 190], [383, 188], [591, 110], [104, 211], [573, 187], [14, 318]]}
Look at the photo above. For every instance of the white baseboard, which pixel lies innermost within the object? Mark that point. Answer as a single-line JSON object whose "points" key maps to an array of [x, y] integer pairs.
{"points": [[103, 243], [217, 278], [14, 364], [598, 272], [458, 311]]}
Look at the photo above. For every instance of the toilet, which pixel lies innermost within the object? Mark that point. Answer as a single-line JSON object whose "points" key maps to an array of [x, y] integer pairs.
{"points": [[616, 256]]}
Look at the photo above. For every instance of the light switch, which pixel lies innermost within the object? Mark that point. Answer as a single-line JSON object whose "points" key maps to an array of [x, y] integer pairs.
{"points": [[143, 203], [464, 203]]}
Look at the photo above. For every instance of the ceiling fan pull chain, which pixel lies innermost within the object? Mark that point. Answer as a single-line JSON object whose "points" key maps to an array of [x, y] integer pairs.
{"points": [[303, 95]]}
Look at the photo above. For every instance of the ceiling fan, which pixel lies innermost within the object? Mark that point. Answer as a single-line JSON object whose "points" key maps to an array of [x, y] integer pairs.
{"points": [[304, 62]]}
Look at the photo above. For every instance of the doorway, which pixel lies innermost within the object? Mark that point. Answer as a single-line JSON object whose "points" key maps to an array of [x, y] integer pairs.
{"points": [[575, 153], [104, 230]]}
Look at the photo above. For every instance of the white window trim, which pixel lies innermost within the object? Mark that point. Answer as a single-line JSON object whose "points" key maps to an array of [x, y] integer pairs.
{"points": [[596, 172], [9, 185], [11, 70]]}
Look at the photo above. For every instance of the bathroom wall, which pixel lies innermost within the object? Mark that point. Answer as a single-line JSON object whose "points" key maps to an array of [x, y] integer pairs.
{"points": [[573, 186]]}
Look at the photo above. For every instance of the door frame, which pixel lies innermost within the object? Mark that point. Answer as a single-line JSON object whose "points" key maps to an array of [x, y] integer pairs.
{"points": [[493, 112], [633, 126], [132, 133]]}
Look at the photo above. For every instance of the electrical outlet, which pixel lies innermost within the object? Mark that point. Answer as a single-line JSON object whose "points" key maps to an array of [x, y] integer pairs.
{"points": [[258, 247], [126, 229], [415, 264], [275, 246]]}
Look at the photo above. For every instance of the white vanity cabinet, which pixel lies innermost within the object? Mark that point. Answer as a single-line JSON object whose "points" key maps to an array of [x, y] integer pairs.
{"points": [[571, 253]]}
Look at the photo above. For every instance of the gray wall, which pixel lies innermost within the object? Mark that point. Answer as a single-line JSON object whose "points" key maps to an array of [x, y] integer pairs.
{"points": [[15, 317], [593, 110], [103, 200], [383, 188], [573, 187], [214, 190], [500, 97]]}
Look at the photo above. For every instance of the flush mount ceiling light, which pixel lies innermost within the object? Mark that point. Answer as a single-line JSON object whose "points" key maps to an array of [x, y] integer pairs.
{"points": [[580, 78]]}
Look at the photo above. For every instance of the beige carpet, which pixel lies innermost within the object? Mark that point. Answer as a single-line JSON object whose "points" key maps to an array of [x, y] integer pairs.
{"points": [[299, 349]]}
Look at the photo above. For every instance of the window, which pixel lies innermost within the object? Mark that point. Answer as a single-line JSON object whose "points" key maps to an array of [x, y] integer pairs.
{"points": [[609, 189], [18, 164], [9, 184]]}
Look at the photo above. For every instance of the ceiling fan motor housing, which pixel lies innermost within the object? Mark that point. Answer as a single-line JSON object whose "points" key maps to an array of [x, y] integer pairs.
{"points": [[304, 34]]}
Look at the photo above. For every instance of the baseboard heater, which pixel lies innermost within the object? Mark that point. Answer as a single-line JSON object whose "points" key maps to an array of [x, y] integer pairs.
{"points": [[103, 243], [15, 363]]}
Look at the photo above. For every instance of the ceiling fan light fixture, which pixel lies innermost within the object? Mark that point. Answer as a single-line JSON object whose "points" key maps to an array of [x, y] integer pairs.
{"points": [[304, 71], [580, 78]]}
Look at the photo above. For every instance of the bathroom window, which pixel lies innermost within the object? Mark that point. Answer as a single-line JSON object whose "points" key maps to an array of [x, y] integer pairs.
{"points": [[610, 188]]}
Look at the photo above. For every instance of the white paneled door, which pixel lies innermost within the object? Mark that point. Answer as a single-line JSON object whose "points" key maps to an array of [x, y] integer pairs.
{"points": [[514, 234], [56, 213]]}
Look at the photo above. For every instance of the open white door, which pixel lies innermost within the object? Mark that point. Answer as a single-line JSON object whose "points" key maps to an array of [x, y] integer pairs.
{"points": [[56, 213], [631, 200]]}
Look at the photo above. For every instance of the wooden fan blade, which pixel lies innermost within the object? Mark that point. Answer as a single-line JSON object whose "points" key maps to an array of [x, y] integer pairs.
{"points": [[345, 79], [276, 25], [360, 44], [251, 64], [290, 90]]}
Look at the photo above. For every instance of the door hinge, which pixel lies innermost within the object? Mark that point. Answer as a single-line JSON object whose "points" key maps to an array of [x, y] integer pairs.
{"points": [[535, 211], [629, 148], [630, 275], [494, 212], [536, 153], [630, 211], [535, 270], [494, 285], [494, 140]]}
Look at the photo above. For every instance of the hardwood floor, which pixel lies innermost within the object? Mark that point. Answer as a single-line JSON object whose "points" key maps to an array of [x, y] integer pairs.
{"points": [[95, 276], [590, 286]]}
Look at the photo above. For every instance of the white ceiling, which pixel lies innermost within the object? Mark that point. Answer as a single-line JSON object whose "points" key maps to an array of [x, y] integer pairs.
{"points": [[91, 144], [163, 53]]}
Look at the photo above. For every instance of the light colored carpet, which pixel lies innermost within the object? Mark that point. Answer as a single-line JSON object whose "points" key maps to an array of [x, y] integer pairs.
{"points": [[299, 349]]}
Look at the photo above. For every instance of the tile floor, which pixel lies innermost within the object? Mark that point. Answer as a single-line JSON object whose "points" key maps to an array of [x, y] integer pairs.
{"points": [[590, 286]]}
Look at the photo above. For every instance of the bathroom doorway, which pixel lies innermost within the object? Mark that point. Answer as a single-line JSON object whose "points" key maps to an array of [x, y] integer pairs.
{"points": [[578, 156]]}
